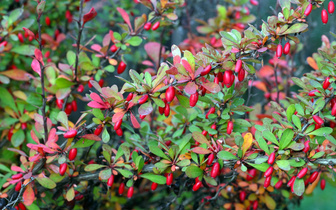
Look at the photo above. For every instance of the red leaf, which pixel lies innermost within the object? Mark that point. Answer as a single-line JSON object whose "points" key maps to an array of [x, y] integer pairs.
{"points": [[96, 47], [96, 105], [28, 195], [125, 17], [212, 87], [18, 151], [187, 66], [90, 15], [96, 97], [38, 55], [190, 88], [134, 121], [200, 150], [91, 137], [29, 32], [117, 116], [16, 168], [153, 51], [17, 74], [36, 66]]}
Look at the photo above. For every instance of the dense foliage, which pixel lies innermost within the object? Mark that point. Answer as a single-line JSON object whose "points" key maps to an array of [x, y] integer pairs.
{"points": [[81, 129]]}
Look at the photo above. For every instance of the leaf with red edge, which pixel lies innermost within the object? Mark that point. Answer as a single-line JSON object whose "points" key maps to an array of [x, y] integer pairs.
{"points": [[29, 32], [96, 47], [199, 137], [125, 16], [201, 150], [188, 68], [212, 87], [28, 195], [16, 168], [134, 121], [90, 15], [94, 104], [91, 137], [146, 108], [36, 66], [18, 151], [38, 55], [17, 74], [190, 88], [153, 51], [96, 97], [117, 116]]}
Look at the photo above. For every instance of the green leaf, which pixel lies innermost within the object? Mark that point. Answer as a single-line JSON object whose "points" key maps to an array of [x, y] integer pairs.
{"points": [[297, 122], [210, 180], [134, 41], [286, 138], [154, 178], [193, 171], [25, 23], [290, 112], [5, 168], [296, 28], [321, 132], [105, 136], [270, 136], [24, 49], [283, 164], [62, 118], [225, 155], [124, 173], [199, 137], [71, 57], [63, 83], [319, 104], [6, 99], [261, 167], [46, 182], [261, 141], [299, 187], [156, 150], [82, 143], [18, 138], [14, 16], [93, 167]]}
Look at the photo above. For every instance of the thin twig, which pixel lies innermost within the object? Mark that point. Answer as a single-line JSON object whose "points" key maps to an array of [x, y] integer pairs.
{"points": [[80, 26]]}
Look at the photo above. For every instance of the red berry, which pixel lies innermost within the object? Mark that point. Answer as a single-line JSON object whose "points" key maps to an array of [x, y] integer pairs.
{"points": [[324, 16], [10, 133], [110, 181], [154, 186], [212, 110], [216, 80], [89, 83], [143, 99], [17, 176], [156, 26], [98, 130], [255, 205], [121, 67], [129, 97], [242, 196], [313, 176], [206, 70], [193, 99], [101, 82], [326, 83], [59, 103], [114, 48], [119, 132], [167, 110], [238, 65], [70, 134], [241, 75], [170, 178], [20, 36], [318, 120], [213, 126], [142, 117], [196, 186], [18, 186], [210, 159], [148, 26], [308, 10], [62, 168], [302, 173], [251, 174], [286, 48], [254, 2], [47, 20], [220, 76], [72, 154], [278, 184], [331, 7], [130, 192], [227, 77], [323, 184], [312, 93], [68, 108], [117, 125], [121, 188], [204, 132], [306, 147], [80, 88], [271, 158], [291, 181], [214, 170], [267, 181], [170, 94], [74, 105], [229, 128], [21, 206], [31, 38], [268, 172], [279, 51], [24, 126]]}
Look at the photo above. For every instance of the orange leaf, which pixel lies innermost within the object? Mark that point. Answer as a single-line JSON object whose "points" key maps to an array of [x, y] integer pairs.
{"points": [[17, 74], [312, 63], [28, 195]]}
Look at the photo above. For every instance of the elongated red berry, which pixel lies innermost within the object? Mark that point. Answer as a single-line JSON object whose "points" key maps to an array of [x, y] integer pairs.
{"points": [[101, 82], [110, 181], [220, 76], [72, 154], [302, 173], [59, 103], [210, 159], [17, 176], [206, 70], [323, 184], [170, 178], [114, 48], [18, 186], [130, 192], [89, 83], [306, 147], [227, 77], [278, 184], [331, 7], [121, 67], [312, 93], [121, 188], [229, 128], [98, 130], [129, 97], [62, 169], [20, 36], [196, 186], [279, 51], [271, 158], [211, 111], [267, 181], [238, 65], [308, 10], [204, 132], [148, 26], [251, 174], [324, 16], [70, 134], [326, 83], [254, 2], [255, 205], [193, 99], [214, 170], [268, 172], [167, 110], [74, 105], [21, 206], [142, 116], [318, 119], [80, 88], [242, 196], [68, 108], [170, 94], [241, 75], [216, 80], [119, 132], [143, 99], [47, 21], [154, 186], [10, 134], [291, 181], [156, 26], [313, 176], [117, 125], [286, 48]]}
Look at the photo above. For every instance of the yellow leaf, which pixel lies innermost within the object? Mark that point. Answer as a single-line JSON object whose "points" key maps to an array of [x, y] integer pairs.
{"points": [[312, 63], [70, 194], [20, 94], [270, 203], [312, 186], [247, 142]]}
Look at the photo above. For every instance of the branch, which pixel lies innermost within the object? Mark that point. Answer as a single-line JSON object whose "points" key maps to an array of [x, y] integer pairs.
{"points": [[80, 26]]}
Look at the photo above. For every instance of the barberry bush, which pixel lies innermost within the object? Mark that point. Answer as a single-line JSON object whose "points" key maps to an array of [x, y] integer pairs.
{"points": [[101, 108]]}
